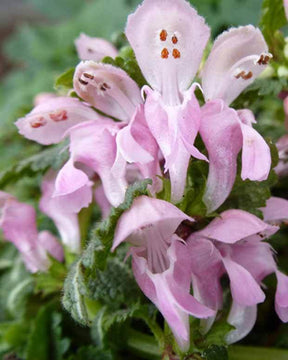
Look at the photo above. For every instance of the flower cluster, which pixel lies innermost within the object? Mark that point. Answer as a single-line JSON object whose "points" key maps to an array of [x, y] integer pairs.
{"points": [[151, 132]]}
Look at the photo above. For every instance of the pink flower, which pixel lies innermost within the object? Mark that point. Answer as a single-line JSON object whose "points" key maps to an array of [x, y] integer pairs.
{"points": [[158, 264], [286, 8], [238, 56], [63, 209], [91, 48], [48, 122], [18, 222], [233, 244], [168, 38]]}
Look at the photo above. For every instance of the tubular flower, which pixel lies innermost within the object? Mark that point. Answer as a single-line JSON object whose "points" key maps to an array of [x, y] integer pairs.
{"points": [[168, 38], [238, 56], [48, 122], [18, 222], [233, 244], [160, 270], [91, 48], [63, 209]]}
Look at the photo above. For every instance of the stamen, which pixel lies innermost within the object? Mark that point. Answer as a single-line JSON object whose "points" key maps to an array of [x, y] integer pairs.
{"points": [[176, 53], [163, 35], [174, 39], [60, 115], [82, 81], [41, 121], [244, 75], [165, 53], [264, 59], [88, 76], [105, 87]]}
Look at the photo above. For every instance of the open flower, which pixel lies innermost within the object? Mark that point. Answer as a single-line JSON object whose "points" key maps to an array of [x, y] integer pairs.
{"points": [[63, 209], [160, 270], [92, 48], [233, 244], [168, 38], [18, 222]]}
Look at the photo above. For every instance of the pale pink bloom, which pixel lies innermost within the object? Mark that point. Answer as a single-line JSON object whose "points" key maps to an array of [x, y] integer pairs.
{"points": [[237, 57], [286, 8], [282, 167], [108, 89], [276, 210], [18, 222], [92, 48], [158, 264], [233, 244], [63, 209], [106, 148], [168, 38], [102, 201], [43, 97], [48, 121]]}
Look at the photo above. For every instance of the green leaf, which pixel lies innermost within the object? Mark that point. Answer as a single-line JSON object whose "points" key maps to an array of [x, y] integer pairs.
{"points": [[215, 352], [273, 18], [45, 340], [216, 336], [128, 64], [254, 353], [64, 82], [91, 353], [39, 163]]}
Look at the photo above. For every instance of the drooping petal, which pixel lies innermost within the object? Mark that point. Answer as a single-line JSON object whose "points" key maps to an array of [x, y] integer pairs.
{"points": [[137, 145], [107, 88], [94, 146], [245, 290], [63, 209], [256, 157], [276, 210], [51, 244], [281, 298], [92, 48], [238, 56], [221, 133], [18, 222], [234, 225], [243, 318], [206, 270], [168, 38], [144, 214], [48, 122]]}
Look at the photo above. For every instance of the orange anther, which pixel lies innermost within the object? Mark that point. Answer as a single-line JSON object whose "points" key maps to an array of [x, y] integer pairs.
{"points": [[164, 53], [176, 53], [174, 39], [163, 35]]}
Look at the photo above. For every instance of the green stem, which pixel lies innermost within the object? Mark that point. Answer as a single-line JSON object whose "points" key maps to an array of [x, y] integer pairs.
{"points": [[142, 345], [256, 353]]}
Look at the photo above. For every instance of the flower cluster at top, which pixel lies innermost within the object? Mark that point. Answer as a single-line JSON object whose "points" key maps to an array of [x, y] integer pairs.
{"points": [[150, 133]]}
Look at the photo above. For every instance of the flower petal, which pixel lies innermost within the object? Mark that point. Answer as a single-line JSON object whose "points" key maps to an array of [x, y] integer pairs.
{"points": [[281, 298], [244, 288], [168, 38], [145, 213], [276, 210], [107, 88], [256, 158], [243, 318], [234, 225], [51, 244], [222, 137], [48, 122], [92, 48], [238, 56]]}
